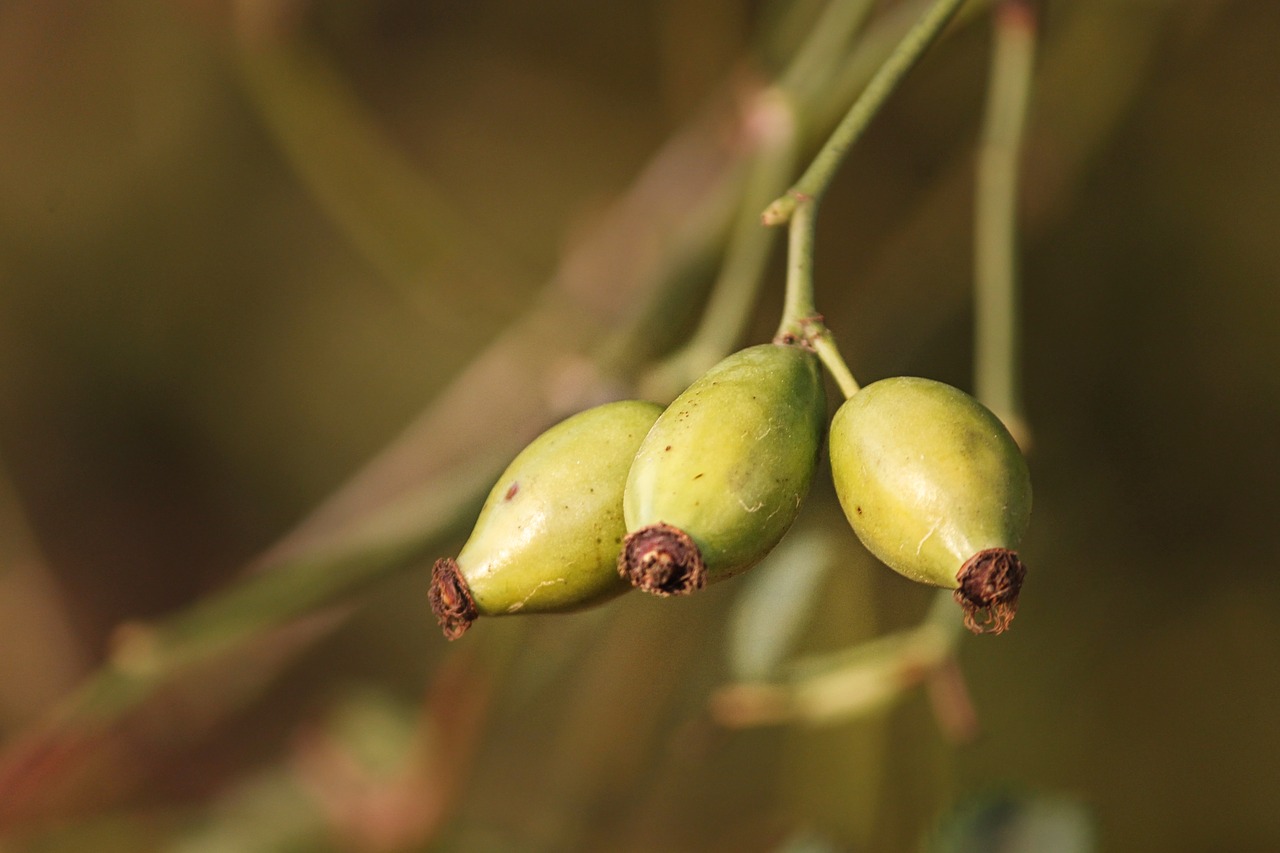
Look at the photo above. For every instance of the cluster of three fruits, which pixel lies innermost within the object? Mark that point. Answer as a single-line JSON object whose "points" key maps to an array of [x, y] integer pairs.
{"points": [[627, 494]]}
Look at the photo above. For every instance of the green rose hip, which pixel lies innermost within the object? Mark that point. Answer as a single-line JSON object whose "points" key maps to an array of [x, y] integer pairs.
{"points": [[720, 477], [934, 486], [547, 538]]}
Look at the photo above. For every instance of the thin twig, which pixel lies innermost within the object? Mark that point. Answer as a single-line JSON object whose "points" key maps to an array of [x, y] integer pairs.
{"points": [[814, 182], [996, 340]]}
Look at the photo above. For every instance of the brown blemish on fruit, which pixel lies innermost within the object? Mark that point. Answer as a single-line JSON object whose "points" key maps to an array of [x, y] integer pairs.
{"points": [[990, 581], [662, 560], [511, 492], [451, 599]]}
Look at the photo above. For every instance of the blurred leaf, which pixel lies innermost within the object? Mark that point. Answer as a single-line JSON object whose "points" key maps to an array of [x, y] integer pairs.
{"points": [[807, 841], [376, 731], [1017, 823], [776, 602], [269, 812]]}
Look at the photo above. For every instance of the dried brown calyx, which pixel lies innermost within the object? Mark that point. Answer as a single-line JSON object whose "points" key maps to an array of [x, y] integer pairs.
{"points": [[990, 581], [662, 560], [451, 599]]}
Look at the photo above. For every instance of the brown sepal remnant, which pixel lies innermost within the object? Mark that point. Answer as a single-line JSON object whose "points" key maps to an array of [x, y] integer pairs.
{"points": [[451, 599], [662, 560], [990, 581]]}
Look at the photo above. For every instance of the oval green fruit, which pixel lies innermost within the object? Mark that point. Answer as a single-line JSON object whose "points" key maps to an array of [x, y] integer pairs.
{"points": [[720, 477], [934, 486], [548, 536]]}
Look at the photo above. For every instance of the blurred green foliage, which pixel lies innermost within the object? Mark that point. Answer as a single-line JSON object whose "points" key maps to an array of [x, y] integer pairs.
{"points": [[204, 333]]}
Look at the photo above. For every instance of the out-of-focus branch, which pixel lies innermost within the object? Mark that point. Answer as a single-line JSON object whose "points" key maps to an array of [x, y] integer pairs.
{"points": [[847, 683], [818, 176], [771, 121], [391, 212], [996, 357], [115, 728], [39, 658]]}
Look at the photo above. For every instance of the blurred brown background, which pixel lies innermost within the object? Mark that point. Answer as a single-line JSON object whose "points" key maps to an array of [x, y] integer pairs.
{"points": [[198, 346]]}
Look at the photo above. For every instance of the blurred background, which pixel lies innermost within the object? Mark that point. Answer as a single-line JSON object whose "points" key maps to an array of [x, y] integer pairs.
{"points": [[284, 285]]}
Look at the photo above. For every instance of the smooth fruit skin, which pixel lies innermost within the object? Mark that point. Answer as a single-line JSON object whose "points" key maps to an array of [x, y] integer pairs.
{"points": [[548, 536], [929, 479], [726, 466]]}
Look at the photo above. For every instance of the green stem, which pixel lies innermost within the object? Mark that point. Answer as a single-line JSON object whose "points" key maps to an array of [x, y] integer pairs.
{"points": [[824, 344], [996, 343], [799, 205], [798, 306], [801, 322], [814, 182]]}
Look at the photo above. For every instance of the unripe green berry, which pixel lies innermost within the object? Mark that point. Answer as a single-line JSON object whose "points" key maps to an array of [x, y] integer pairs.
{"points": [[720, 477], [547, 538], [934, 485]]}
